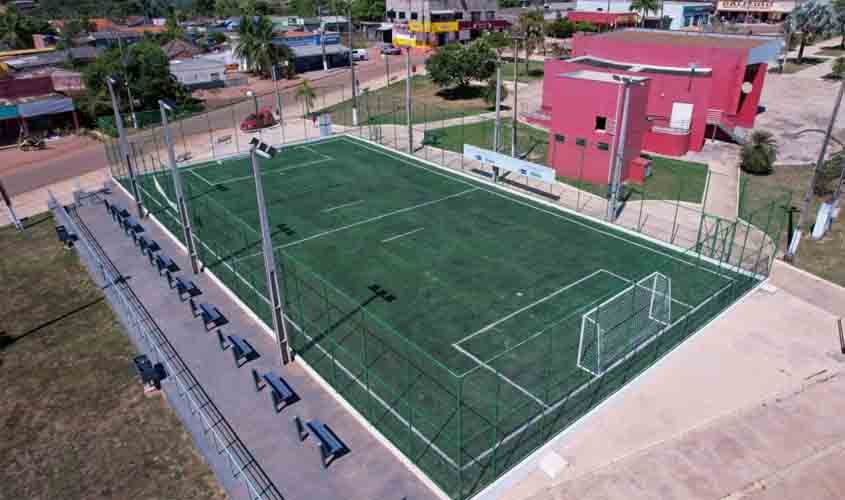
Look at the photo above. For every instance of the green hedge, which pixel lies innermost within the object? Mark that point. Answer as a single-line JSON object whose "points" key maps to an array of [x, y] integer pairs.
{"points": [[105, 124]]}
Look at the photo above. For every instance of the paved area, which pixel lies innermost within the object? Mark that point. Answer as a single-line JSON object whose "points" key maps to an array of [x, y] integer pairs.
{"points": [[63, 158], [750, 407], [370, 471]]}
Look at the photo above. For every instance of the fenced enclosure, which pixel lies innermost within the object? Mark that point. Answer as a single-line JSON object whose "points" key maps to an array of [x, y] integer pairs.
{"points": [[448, 311], [239, 474]]}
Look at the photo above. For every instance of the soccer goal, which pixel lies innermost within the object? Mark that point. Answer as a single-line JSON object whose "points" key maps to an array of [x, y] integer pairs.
{"points": [[622, 323]]}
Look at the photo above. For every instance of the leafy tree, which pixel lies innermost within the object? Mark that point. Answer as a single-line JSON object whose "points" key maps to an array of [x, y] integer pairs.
{"points": [[532, 24], [302, 8], [509, 4], [759, 153], [203, 7], [489, 93], [837, 8], [227, 8], [144, 66], [256, 46], [306, 92], [368, 10], [456, 65], [838, 69], [643, 7], [826, 180], [254, 8], [808, 19], [151, 8], [173, 30], [16, 29]]}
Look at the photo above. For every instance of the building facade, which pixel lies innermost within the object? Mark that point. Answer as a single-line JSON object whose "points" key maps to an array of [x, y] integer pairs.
{"points": [[700, 85], [431, 23], [683, 14], [754, 10]]}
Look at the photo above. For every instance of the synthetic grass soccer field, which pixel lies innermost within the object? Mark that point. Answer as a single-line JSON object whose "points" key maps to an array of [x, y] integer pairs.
{"points": [[448, 311]]}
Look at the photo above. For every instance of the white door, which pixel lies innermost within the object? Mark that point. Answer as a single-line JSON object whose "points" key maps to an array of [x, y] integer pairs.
{"points": [[681, 116]]}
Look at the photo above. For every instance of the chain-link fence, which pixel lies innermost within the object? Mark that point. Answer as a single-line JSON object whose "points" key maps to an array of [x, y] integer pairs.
{"points": [[465, 428], [236, 469]]}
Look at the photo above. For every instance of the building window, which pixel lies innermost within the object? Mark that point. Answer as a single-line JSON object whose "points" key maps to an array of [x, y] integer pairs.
{"points": [[580, 142], [475, 16], [459, 15], [391, 15], [215, 76], [401, 15], [603, 146], [413, 16], [559, 138], [490, 14], [601, 123]]}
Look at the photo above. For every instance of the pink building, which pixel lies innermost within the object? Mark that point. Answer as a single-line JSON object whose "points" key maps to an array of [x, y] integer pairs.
{"points": [[701, 85]]}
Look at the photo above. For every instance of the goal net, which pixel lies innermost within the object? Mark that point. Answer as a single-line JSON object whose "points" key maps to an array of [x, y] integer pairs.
{"points": [[624, 322]]}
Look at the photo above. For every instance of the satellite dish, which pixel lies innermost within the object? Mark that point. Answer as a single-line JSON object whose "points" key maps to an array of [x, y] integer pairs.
{"points": [[747, 87]]}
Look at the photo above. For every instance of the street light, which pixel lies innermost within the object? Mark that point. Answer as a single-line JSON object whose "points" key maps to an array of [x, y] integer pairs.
{"points": [[259, 148], [124, 147], [279, 100], [165, 105]]}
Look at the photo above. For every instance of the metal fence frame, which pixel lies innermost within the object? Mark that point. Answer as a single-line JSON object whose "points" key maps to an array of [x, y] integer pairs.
{"points": [[237, 469]]}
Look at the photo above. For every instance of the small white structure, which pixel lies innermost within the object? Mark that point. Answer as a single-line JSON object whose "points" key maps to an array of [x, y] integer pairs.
{"points": [[199, 73]]}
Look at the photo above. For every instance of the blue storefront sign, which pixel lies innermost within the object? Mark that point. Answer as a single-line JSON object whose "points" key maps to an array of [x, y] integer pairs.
{"points": [[314, 39], [8, 112]]}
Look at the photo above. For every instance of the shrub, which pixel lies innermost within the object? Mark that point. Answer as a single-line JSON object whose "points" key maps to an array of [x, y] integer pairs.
{"points": [[759, 153]]}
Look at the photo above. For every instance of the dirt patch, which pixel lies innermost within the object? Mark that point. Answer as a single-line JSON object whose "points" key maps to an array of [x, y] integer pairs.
{"points": [[74, 420]]}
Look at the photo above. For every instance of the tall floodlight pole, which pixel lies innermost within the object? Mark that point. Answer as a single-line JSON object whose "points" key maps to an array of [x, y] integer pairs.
{"points": [[387, 67], [408, 99], [323, 47], [124, 148], [279, 102], [255, 102], [126, 83], [516, 39], [618, 151], [808, 196], [352, 66], [187, 231], [8, 203], [258, 148], [498, 133]]}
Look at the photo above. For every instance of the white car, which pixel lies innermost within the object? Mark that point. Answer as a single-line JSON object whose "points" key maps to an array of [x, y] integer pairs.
{"points": [[360, 55]]}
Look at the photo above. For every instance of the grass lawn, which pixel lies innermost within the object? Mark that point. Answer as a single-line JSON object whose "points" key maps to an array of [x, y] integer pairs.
{"points": [[74, 420], [535, 71], [792, 65], [670, 179], [387, 104], [824, 257]]}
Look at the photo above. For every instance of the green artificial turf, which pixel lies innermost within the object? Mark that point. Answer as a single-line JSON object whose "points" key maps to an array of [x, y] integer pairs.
{"points": [[447, 311]]}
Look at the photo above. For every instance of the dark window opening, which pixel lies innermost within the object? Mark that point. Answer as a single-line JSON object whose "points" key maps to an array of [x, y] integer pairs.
{"points": [[560, 138], [414, 16], [603, 146], [601, 123], [580, 142]]}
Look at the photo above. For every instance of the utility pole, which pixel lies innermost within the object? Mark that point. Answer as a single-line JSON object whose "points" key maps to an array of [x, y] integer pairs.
{"points": [[279, 101], [498, 134], [124, 148], [387, 66], [279, 325], [352, 67], [323, 47], [808, 197], [187, 231], [618, 151], [126, 83], [408, 99]]}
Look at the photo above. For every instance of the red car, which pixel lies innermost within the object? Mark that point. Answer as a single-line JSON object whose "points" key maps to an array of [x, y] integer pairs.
{"points": [[263, 119]]}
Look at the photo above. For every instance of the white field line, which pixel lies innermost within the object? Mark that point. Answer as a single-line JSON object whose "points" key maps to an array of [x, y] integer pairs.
{"points": [[498, 374], [560, 214], [529, 306], [688, 306], [365, 221], [348, 373], [585, 385], [338, 207], [309, 148], [201, 178], [268, 172], [386, 240], [216, 162]]}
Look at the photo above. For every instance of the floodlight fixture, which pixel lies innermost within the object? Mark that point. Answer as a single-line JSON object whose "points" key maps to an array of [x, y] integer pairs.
{"points": [[262, 149], [167, 104]]}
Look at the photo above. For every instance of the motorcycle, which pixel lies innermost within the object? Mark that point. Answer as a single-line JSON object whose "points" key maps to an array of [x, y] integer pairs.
{"points": [[32, 144]]}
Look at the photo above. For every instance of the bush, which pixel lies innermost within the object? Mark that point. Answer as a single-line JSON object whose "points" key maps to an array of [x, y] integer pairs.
{"points": [[825, 183], [490, 93], [759, 153]]}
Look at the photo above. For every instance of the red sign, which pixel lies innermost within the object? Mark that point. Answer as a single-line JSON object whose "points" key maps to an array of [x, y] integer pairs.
{"points": [[484, 25]]}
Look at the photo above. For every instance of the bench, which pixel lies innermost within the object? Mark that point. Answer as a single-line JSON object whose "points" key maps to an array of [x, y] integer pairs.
{"points": [[108, 206], [131, 224], [331, 447], [210, 315], [150, 374], [65, 237], [241, 350], [165, 263], [118, 212], [280, 390], [184, 286], [148, 245]]}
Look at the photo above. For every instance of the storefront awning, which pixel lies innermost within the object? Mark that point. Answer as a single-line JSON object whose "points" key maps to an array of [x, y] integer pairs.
{"points": [[47, 106], [8, 112]]}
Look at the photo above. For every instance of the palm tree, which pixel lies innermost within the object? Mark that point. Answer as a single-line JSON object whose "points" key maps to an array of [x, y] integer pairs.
{"points": [[759, 153], [643, 6], [838, 69], [533, 25], [15, 30], [306, 92], [256, 46], [809, 18]]}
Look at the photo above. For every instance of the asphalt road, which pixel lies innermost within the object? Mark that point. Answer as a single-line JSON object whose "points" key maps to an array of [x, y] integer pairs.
{"points": [[74, 156]]}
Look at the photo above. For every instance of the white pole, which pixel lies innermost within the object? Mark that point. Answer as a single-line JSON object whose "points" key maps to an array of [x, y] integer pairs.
{"points": [[124, 149], [177, 184], [279, 326], [498, 133], [279, 103], [619, 151], [408, 99]]}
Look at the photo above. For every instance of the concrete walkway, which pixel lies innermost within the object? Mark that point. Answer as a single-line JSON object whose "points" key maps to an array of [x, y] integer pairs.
{"points": [[370, 471]]}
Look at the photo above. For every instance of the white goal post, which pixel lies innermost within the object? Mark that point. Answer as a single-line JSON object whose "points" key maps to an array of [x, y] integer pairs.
{"points": [[622, 323]]}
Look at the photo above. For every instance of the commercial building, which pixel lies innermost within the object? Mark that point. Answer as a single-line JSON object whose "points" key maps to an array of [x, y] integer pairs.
{"points": [[699, 86], [431, 23], [32, 105], [683, 14], [765, 11]]}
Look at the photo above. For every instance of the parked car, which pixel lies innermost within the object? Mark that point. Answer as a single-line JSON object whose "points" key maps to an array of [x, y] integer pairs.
{"points": [[390, 50], [360, 55], [263, 119]]}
